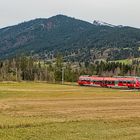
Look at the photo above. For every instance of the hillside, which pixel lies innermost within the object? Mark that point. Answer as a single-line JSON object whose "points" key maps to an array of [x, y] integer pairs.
{"points": [[76, 40]]}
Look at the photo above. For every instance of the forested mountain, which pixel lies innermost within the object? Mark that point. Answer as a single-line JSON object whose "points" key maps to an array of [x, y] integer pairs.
{"points": [[76, 40]]}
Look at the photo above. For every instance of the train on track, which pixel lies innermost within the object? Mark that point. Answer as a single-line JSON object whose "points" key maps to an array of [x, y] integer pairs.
{"points": [[119, 82]]}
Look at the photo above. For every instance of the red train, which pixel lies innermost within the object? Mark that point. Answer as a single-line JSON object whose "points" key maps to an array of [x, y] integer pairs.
{"points": [[129, 82]]}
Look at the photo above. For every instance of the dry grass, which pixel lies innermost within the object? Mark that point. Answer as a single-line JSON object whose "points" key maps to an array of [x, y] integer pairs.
{"points": [[49, 111]]}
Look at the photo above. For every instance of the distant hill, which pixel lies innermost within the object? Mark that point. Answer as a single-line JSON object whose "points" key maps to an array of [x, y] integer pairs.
{"points": [[75, 39]]}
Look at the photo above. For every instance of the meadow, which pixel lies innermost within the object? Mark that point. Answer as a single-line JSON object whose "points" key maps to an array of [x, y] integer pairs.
{"points": [[41, 111]]}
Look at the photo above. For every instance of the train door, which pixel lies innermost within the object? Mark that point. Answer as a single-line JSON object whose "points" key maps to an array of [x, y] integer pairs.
{"points": [[116, 83]]}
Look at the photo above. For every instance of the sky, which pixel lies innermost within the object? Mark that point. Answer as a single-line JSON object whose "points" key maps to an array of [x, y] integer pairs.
{"points": [[117, 12]]}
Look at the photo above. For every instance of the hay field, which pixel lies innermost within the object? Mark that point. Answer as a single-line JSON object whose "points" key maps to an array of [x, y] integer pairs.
{"points": [[40, 111]]}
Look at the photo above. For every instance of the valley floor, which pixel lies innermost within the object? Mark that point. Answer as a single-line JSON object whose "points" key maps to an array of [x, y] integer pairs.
{"points": [[40, 111]]}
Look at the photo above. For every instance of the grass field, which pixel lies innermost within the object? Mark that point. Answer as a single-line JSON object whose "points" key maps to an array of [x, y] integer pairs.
{"points": [[40, 111], [127, 61]]}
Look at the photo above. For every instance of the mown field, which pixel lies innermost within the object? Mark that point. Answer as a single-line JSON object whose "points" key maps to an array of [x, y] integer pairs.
{"points": [[40, 111]]}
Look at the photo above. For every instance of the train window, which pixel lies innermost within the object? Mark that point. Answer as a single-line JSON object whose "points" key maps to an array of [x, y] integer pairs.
{"points": [[98, 82], [109, 82], [113, 82], [124, 82]]}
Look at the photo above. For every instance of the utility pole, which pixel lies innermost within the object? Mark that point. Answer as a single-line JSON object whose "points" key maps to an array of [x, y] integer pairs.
{"points": [[62, 75], [16, 75]]}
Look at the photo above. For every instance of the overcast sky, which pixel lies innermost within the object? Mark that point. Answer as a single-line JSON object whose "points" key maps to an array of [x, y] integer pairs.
{"points": [[118, 12]]}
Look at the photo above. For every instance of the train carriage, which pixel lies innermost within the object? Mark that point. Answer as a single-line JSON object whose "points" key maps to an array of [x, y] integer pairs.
{"points": [[129, 82]]}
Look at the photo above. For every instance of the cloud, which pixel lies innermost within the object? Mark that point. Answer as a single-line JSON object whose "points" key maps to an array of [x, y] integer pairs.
{"points": [[113, 11]]}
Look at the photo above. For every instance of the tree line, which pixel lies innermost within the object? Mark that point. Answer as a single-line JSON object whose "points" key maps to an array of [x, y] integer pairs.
{"points": [[29, 69]]}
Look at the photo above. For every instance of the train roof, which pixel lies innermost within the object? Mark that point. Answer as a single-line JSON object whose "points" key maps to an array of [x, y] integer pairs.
{"points": [[109, 78]]}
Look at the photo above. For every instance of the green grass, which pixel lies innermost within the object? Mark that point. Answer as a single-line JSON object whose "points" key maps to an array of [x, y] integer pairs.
{"points": [[40, 111], [126, 61]]}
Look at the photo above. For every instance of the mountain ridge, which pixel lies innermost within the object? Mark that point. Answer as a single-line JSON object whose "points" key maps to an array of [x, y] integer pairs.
{"points": [[76, 39], [61, 15]]}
